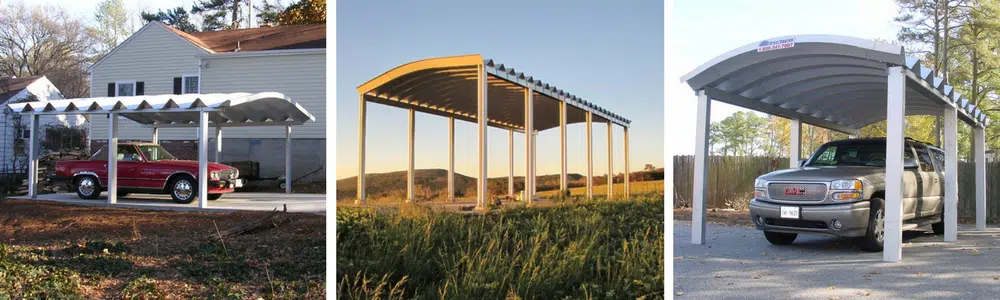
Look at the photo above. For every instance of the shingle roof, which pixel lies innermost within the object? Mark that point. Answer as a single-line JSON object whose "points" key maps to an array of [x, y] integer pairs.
{"points": [[10, 86], [259, 39]]}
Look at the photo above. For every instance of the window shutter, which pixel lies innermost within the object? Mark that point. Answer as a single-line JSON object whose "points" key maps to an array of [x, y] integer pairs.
{"points": [[177, 86], [140, 88], [111, 89]]}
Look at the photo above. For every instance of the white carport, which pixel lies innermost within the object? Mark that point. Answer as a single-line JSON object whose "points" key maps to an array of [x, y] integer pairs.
{"points": [[843, 84], [188, 110]]}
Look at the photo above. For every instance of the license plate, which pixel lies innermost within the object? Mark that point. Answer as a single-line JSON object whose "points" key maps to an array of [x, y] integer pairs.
{"points": [[238, 183], [789, 212]]}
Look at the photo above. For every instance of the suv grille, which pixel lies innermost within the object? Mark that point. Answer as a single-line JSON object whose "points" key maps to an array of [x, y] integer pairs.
{"points": [[803, 191]]}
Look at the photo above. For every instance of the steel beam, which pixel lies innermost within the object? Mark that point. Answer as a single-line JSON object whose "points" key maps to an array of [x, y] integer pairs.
{"points": [[482, 118], [702, 126], [950, 174], [361, 149], [451, 159], [112, 158], [203, 159], [33, 147], [288, 159], [529, 145], [895, 117], [411, 136], [795, 143], [979, 140], [562, 149]]}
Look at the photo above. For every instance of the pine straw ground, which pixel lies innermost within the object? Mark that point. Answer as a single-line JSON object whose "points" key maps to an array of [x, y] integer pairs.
{"points": [[59, 251]]}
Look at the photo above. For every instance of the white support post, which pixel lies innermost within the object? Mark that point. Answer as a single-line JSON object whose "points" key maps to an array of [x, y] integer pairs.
{"points": [[611, 163], [218, 144], [451, 159], [112, 158], [203, 159], [534, 165], [156, 135], [950, 174], [979, 139], [628, 192], [510, 161], [795, 143], [411, 136], [33, 137], [895, 117], [590, 155], [361, 149], [700, 168], [482, 117], [562, 149], [529, 145], [288, 159]]}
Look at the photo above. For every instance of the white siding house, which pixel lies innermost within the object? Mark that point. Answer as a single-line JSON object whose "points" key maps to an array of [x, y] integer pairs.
{"points": [[161, 60], [34, 88]]}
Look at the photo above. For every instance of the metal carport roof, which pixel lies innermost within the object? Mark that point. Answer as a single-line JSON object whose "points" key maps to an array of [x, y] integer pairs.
{"points": [[836, 82]]}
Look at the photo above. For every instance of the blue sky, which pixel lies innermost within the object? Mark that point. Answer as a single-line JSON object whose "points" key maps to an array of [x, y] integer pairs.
{"points": [[704, 29], [603, 51]]}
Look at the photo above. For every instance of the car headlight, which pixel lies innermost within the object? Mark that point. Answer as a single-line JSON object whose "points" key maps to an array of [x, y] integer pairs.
{"points": [[854, 184], [236, 173], [760, 183], [213, 175]]}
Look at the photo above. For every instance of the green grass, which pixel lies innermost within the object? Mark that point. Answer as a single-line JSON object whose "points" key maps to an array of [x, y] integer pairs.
{"points": [[593, 250]]}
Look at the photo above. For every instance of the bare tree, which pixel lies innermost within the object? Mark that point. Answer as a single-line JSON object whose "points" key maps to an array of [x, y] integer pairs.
{"points": [[44, 40]]}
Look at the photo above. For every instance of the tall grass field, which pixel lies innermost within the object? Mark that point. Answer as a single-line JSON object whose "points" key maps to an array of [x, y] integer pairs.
{"points": [[593, 250]]}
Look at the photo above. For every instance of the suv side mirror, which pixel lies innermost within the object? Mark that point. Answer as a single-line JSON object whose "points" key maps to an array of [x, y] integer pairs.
{"points": [[910, 163]]}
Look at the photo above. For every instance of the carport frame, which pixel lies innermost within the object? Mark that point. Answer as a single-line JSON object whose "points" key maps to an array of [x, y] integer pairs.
{"points": [[902, 73], [446, 74], [202, 104]]}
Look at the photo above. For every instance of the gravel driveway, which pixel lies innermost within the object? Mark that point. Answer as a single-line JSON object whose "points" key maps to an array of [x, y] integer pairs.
{"points": [[738, 263]]}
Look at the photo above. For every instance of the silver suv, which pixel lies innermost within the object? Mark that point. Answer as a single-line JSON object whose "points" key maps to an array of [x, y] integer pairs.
{"points": [[840, 190]]}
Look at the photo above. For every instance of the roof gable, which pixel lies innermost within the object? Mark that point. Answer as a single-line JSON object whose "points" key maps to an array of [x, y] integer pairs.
{"points": [[11, 86], [139, 32]]}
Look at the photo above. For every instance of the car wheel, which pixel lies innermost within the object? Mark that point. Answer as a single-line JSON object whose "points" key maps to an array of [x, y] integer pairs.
{"points": [[87, 187], [939, 226], [875, 234], [780, 238], [183, 189], [213, 197]]}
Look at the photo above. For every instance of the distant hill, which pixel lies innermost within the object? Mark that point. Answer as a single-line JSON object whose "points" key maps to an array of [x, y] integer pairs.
{"points": [[432, 184]]}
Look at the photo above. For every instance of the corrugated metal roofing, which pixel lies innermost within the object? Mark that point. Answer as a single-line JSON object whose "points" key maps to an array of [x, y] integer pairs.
{"points": [[225, 109]]}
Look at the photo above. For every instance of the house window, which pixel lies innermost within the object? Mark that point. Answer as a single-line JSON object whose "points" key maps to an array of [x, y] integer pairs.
{"points": [[24, 133], [191, 84], [124, 88]]}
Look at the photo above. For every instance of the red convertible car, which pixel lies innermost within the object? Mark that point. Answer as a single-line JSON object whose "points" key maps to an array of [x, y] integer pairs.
{"points": [[145, 168]]}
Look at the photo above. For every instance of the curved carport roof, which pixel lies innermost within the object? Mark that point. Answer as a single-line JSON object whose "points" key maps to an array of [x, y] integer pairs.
{"points": [[836, 82], [446, 86], [841, 83]]}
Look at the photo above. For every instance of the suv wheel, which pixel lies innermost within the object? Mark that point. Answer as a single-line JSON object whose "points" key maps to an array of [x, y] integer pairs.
{"points": [[183, 189], [87, 187], [939, 226], [780, 238], [875, 234]]}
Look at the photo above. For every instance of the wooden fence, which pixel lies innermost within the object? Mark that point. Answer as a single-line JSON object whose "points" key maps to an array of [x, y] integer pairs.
{"points": [[731, 178]]}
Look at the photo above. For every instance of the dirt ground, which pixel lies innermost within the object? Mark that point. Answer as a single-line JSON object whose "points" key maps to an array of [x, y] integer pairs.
{"points": [[116, 253]]}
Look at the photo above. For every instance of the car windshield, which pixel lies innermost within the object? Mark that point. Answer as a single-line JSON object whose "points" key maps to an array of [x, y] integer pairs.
{"points": [[861, 154], [155, 153]]}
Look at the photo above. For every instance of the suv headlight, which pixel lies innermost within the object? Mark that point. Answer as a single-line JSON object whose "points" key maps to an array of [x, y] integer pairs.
{"points": [[846, 190], [846, 185], [759, 189]]}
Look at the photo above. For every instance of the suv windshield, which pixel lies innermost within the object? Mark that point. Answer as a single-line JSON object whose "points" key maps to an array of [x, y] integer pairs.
{"points": [[155, 153], [861, 154]]}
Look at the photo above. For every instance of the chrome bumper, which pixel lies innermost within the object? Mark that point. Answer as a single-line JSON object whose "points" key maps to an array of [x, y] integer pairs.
{"points": [[813, 218]]}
